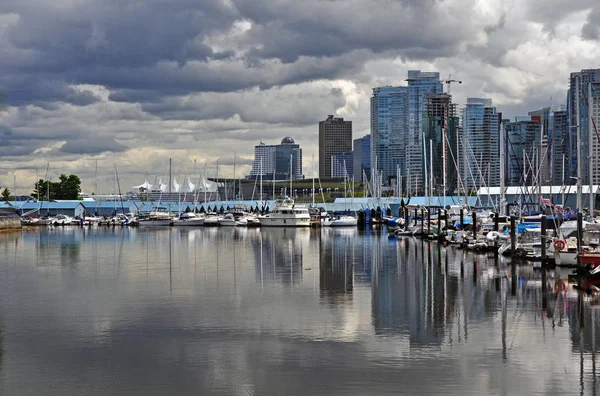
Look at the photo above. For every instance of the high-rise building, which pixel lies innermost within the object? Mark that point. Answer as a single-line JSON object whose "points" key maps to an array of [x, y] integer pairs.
{"points": [[420, 84], [275, 160], [554, 130], [362, 158], [579, 86], [595, 113], [389, 130], [335, 136], [288, 158], [523, 148], [342, 165], [397, 126], [558, 141], [264, 160], [481, 134], [440, 126]]}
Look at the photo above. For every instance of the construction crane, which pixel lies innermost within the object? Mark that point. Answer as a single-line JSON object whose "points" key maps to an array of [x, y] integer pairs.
{"points": [[449, 82]]}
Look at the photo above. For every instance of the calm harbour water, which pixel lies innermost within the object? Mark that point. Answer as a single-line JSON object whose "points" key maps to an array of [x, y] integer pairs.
{"points": [[220, 311]]}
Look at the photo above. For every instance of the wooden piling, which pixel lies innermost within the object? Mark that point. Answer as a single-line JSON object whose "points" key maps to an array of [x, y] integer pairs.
{"points": [[513, 236], [428, 222], [544, 240], [579, 236]]}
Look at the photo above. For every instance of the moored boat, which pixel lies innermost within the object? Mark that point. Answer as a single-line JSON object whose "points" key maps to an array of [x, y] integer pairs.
{"points": [[286, 214]]}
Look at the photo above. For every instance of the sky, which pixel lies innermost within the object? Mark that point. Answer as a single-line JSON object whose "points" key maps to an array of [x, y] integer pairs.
{"points": [[99, 84]]}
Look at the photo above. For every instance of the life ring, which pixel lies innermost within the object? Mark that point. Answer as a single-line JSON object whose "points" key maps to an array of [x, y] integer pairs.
{"points": [[559, 287], [559, 245]]}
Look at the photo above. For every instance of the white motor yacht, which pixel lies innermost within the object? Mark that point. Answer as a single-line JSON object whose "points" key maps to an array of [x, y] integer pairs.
{"points": [[286, 214]]}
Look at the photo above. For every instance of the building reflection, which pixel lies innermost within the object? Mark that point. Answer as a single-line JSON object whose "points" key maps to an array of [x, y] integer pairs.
{"points": [[337, 257], [60, 246], [423, 290], [278, 254]]}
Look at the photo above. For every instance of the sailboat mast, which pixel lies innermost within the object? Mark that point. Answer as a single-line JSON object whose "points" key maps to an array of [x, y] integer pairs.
{"points": [[218, 197], [579, 159], [444, 156], [590, 145], [502, 169], [234, 194], [563, 181], [261, 175], [170, 183], [430, 192], [205, 183], [313, 180], [291, 176]]}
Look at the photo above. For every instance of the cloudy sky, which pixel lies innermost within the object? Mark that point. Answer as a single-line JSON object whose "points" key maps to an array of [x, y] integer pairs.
{"points": [[132, 83]]}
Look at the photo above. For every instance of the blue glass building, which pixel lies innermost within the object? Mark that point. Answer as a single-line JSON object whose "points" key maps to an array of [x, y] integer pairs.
{"points": [[362, 158], [522, 146], [481, 149], [396, 126], [579, 84]]}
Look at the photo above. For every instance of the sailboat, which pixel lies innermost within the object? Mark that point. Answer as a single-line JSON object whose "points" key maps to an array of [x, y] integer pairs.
{"points": [[159, 217], [343, 220]]}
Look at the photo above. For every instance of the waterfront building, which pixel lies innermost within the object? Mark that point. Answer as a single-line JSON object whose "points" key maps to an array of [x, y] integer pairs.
{"points": [[264, 159], [335, 136], [276, 159], [286, 151], [481, 151], [396, 126], [554, 125], [594, 90], [342, 164], [523, 148], [362, 158], [440, 127], [579, 87]]}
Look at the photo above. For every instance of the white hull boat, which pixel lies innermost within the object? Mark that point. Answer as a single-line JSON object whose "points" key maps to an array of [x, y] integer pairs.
{"points": [[155, 222], [340, 221], [189, 220], [286, 214], [227, 220]]}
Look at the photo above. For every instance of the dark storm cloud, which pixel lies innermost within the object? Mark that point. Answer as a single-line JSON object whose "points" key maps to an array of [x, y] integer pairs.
{"points": [[278, 106], [91, 146], [77, 44], [142, 48]]}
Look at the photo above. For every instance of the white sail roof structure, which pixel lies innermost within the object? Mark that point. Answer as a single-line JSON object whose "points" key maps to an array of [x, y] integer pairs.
{"points": [[145, 185], [176, 186], [207, 185], [160, 186], [187, 186]]}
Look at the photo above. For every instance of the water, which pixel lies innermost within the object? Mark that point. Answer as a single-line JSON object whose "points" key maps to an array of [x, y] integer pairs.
{"points": [[280, 311]]}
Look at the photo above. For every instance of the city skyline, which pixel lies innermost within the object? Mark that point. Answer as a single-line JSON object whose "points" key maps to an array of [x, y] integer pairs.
{"points": [[134, 85]]}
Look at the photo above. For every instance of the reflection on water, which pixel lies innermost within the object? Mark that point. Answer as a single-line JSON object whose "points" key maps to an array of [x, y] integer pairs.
{"points": [[282, 311]]}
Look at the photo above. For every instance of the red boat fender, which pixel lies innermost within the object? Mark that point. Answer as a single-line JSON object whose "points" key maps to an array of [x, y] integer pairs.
{"points": [[559, 245], [559, 287]]}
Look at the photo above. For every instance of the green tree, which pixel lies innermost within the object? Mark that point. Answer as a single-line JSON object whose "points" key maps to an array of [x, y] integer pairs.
{"points": [[68, 187], [5, 195]]}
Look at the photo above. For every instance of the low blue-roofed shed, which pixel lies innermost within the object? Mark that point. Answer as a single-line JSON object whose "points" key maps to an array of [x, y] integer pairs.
{"points": [[72, 208]]}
